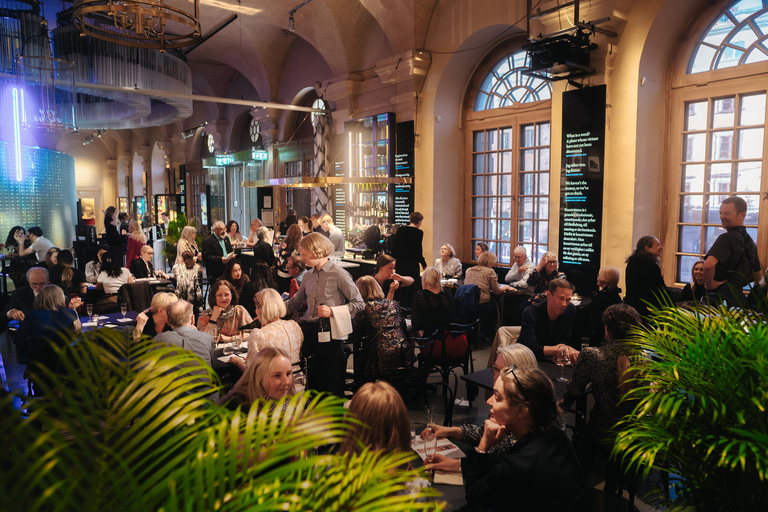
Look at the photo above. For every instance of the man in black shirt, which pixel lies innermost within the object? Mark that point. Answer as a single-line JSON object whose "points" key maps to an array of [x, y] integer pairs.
{"points": [[546, 327], [732, 261]]}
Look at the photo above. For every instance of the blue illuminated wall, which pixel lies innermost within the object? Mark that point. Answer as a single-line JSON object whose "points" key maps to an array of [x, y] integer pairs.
{"points": [[44, 197]]}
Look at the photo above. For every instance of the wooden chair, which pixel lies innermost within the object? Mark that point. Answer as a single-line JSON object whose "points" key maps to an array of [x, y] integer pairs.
{"points": [[435, 356]]}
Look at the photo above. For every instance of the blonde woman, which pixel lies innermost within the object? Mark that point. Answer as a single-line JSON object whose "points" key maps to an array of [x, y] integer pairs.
{"points": [[268, 377], [384, 420], [187, 243], [275, 332], [515, 355], [136, 241]]}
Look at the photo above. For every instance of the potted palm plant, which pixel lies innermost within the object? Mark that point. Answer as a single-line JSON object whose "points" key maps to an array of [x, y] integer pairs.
{"points": [[700, 413], [127, 426]]}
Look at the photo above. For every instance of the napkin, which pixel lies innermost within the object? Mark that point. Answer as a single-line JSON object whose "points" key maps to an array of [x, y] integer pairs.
{"points": [[341, 322], [448, 478]]}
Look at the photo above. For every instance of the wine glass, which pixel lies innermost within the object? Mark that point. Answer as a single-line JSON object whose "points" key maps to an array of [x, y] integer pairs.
{"points": [[123, 308], [89, 310], [429, 414], [430, 445], [562, 359]]}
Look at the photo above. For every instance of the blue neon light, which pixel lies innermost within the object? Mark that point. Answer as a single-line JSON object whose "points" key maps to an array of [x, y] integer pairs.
{"points": [[17, 133]]}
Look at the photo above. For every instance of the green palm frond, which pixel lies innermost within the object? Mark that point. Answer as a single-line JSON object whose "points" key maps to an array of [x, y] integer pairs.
{"points": [[699, 404], [129, 426]]}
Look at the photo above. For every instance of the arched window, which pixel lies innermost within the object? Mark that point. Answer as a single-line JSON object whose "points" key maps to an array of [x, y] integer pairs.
{"points": [[508, 139], [718, 126]]}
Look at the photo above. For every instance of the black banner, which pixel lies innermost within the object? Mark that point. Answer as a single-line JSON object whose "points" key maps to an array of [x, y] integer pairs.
{"points": [[581, 186], [401, 195]]}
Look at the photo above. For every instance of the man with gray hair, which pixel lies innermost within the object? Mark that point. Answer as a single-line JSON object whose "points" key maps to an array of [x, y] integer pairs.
{"points": [[181, 318], [22, 298], [217, 251], [252, 238], [518, 275]]}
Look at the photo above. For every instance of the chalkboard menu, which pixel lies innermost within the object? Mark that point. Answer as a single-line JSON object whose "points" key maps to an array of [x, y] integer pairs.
{"points": [[581, 185], [402, 194]]}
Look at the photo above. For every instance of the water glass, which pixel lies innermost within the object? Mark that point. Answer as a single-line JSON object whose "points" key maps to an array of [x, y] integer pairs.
{"points": [[123, 309], [430, 412], [89, 310], [228, 348]]}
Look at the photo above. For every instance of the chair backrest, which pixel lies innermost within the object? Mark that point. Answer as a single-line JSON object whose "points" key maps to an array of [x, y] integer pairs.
{"points": [[138, 295], [468, 298]]}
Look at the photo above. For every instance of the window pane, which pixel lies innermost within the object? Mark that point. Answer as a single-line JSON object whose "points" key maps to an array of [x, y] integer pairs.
{"points": [[491, 143], [543, 207], [503, 253], [693, 178], [542, 159], [744, 38], [543, 237], [490, 229], [719, 30], [542, 179], [478, 165], [490, 185], [543, 135], [526, 160], [719, 178], [506, 230], [506, 184], [689, 239], [491, 207], [710, 235], [477, 228], [690, 209], [753, 208], [526, 208], [712, 209], [505, 206], [477, 185], [722, 145], [490, 163], [694, 148], [526, 183], [477, 207], [506, 138], [752, 109], [696, 116], [525, 231], [748, 176], [751, 143], [722, 112], [506, 162], [703, 59], [479, 141], [527, 137], [758, 53]]}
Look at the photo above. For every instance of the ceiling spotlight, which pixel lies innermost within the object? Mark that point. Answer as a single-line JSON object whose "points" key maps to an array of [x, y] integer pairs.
{"points": [[291, 27]]}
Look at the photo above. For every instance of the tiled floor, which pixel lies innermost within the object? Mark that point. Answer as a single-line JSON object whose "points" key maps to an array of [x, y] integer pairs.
{"points": [[11, 374]]}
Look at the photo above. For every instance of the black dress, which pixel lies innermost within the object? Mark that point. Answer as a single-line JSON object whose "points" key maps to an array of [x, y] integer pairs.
{"points": [[644, 283], [432, 311], [408, 253], [690, 295]]}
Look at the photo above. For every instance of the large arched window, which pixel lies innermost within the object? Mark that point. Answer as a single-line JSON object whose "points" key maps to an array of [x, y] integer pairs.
{"points": [[718, 128], [508, 128]]}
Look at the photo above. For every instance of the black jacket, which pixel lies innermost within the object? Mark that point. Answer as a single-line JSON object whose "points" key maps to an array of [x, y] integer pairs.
{"points": [[212, 255], [139, 268]]}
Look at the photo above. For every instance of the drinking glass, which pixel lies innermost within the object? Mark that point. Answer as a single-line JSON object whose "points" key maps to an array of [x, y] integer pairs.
{"points": [[562, 359], [430, 446], [413, 433], [89, 310], [229, 348], [429, 414], [123, 308]]}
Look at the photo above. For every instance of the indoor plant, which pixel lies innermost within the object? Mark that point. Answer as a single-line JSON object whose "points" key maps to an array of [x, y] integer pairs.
{"points": [[701, 398], [126, 426]]}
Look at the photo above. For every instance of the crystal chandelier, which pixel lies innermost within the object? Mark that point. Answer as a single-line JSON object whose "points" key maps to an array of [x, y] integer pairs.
{"points": [[151, 24], [47, 96]]}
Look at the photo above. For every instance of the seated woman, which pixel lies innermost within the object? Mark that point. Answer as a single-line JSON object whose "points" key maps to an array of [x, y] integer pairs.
{"points": [[448, 264], [545, 271], [609, 294], [519, 356], [268, 377], [233, 272], [695, 290], [261, 279], [71, 280], [274, 332], [224, 319], [388, 280], [600, 367], [154, 320], [188, 275], [487, 280], [17, 240], [51, 258], [234, 235], [384, 420], [112, 275], [382, 320], [50, 318], [542, 459], [480, 248], [263, 249], [432, 306]]}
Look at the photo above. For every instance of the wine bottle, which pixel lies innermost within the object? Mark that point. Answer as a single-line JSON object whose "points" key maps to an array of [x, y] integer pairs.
{"points": [[324, 329]]}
